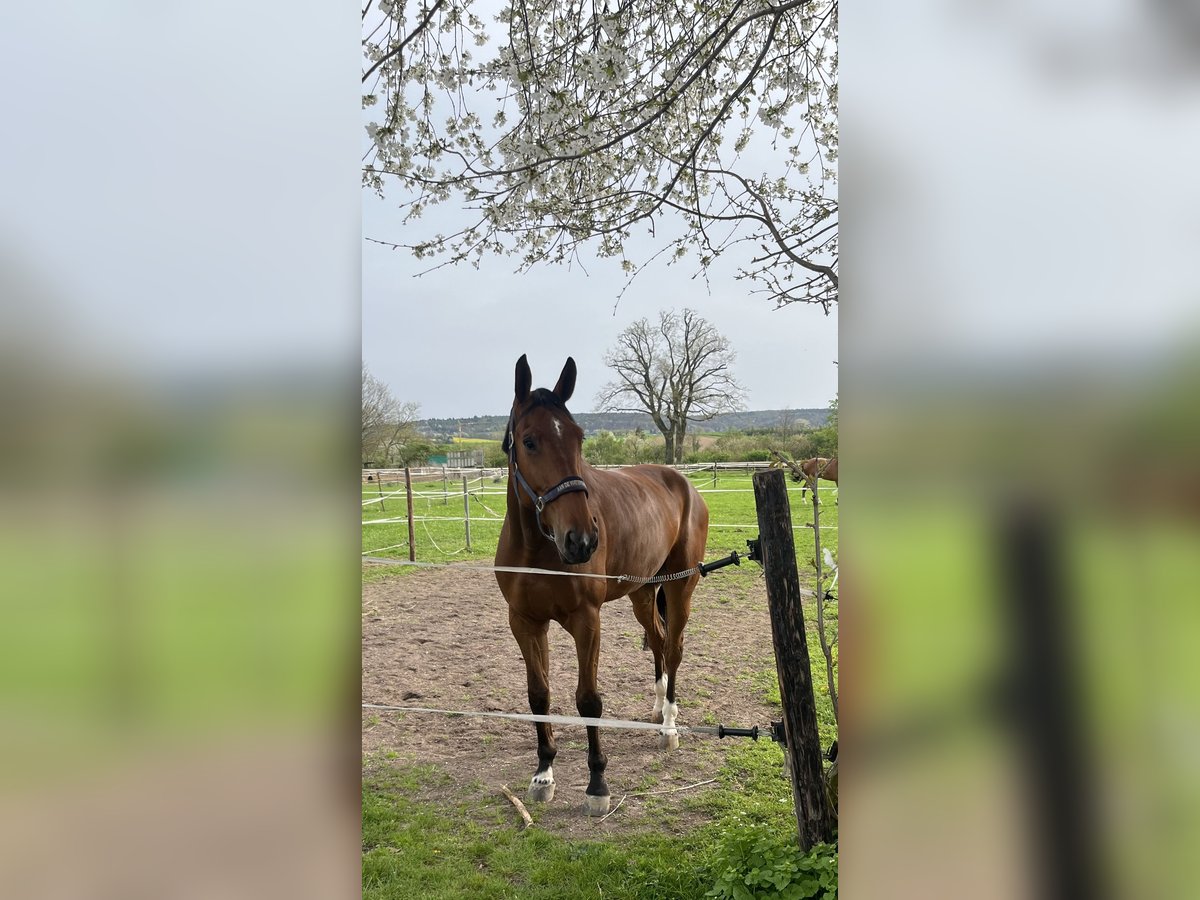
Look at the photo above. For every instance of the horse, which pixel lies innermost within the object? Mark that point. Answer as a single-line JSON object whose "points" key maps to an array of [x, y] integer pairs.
{"points": [[564, 515], [818, 467]]}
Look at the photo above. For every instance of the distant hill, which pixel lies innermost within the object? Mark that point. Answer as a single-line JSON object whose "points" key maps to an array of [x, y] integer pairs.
{"points": [[621, 423]]}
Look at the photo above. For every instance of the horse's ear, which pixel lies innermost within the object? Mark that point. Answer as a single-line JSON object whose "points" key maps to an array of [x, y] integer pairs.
{"points": [[566, 381], [524, 379]]}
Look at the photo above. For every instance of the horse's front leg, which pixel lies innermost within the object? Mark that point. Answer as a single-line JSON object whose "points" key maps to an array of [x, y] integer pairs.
{"points": [[535, 648], [585, 628]]}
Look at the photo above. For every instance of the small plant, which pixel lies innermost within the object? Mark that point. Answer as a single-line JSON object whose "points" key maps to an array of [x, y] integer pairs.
{"points": [[756, 861]]}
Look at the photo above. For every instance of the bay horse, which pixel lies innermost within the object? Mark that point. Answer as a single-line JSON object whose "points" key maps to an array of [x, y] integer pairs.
{"points": [[564, 515], [818, 467]]}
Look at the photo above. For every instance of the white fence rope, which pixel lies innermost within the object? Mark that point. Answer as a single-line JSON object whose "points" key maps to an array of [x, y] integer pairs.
{"points": [[528, 570], [436, 473], [497, 515], [381, 549], [442, 495], [436, 546], [499, 518], [583, 721]]}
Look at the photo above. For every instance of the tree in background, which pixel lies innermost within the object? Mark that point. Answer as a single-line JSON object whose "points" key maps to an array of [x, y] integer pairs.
{"points": [[388, 425], [825, 438], [712, 127], [678, 370], [605, 449]]}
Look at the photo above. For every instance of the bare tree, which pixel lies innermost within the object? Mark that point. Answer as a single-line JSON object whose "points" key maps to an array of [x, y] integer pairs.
{"points": [[678, 371], [387, 424], [788, 423], [711, 125]]}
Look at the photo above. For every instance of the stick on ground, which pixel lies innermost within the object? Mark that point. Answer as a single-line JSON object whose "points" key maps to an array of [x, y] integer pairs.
{"points": [[613, 810], [519, 805], [686, 787]]}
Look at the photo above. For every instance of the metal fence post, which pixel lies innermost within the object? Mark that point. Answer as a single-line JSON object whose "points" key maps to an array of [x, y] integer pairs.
{"points": [[467, 511]]}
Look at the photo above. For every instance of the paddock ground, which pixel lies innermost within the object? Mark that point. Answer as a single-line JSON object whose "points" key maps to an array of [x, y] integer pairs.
{"points": [[439, 638]]}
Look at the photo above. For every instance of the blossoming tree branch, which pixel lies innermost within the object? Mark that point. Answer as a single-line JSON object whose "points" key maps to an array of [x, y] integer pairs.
{"points": [[698, 130]]}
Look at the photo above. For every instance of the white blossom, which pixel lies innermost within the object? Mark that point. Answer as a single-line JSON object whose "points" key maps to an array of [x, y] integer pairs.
{"points": [[602, 116]]}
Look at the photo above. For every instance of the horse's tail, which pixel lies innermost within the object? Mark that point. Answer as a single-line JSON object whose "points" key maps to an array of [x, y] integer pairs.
{"points": [[660, 604]]}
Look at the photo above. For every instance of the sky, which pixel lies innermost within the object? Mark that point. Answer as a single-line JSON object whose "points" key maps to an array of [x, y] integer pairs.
{"points": [[449, 340]]}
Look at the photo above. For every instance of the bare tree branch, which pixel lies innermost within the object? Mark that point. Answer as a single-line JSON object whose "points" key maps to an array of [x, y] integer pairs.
{"points": [[387, 424]]}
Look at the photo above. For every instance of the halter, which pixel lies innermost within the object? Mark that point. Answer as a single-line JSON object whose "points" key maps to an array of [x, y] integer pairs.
{"points": [[568, 485]]}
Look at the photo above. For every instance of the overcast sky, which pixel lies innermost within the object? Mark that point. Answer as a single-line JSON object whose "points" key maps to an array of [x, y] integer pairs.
{"points": [[449, 340]]}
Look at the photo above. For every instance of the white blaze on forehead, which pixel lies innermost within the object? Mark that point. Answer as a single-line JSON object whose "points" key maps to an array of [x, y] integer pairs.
{"points": [[557, 427]]}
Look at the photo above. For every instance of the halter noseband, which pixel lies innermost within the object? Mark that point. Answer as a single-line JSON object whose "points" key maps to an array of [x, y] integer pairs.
{"points": [[568, 485]]}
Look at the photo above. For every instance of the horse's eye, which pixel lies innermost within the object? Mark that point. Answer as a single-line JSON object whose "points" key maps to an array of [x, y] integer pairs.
{"points": [[529, 444]]}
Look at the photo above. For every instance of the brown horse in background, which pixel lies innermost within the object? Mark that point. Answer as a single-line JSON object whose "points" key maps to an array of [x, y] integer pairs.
{"points": [[565, 515], [818, 467]]}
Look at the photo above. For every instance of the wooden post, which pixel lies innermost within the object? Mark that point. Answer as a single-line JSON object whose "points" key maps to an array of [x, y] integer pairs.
{"points": [[714, 474], [1048, 718], [467, 511], [412, 538], [825, 649], [791, 657], [379, 484], [445, 488]]}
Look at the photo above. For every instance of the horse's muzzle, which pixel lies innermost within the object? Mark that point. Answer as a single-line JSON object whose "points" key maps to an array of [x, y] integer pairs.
{"points": [[578, 546]]}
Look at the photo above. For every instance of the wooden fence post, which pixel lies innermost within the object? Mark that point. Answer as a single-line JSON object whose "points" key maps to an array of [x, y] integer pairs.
{"points": [[445, 488], [379, 485], [1046, 712], [813, 819], [412, 538], [467, 511]]}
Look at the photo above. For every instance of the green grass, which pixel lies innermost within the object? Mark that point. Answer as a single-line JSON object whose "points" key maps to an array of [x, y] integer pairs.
{"points": [[414, 846]]}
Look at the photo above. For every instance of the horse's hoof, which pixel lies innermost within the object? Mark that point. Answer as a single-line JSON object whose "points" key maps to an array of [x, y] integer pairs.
{"points": [[668, 741], [657, 718], [540, 793], [595, 806]]}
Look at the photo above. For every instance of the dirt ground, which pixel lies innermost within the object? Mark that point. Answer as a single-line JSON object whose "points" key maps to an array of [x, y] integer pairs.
{"points": [[439, 638]]}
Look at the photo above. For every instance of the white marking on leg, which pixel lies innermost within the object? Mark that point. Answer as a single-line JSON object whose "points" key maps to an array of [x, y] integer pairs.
{"points": [[660, 696], [670, 739], [541, 786]]}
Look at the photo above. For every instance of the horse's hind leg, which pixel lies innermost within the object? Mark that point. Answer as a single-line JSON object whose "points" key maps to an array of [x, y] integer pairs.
{"points": [[644, 609], [535, 647], [679, 606], [584, 626]]}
